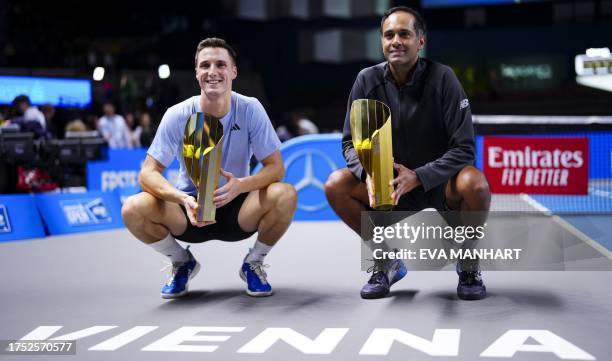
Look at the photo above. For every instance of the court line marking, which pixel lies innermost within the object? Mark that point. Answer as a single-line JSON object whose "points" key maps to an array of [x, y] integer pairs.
{"points": [[568, 226]]}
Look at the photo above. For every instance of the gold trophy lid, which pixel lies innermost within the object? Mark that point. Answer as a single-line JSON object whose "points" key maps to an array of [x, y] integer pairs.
{"points": [[202, 133]]}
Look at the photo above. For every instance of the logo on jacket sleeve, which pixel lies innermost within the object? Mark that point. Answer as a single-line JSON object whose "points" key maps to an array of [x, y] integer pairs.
{"points": [[464, 104]]}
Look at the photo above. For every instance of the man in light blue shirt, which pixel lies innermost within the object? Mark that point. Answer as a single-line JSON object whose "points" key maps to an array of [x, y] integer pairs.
{"points": [[245, 204], [113, 128]]}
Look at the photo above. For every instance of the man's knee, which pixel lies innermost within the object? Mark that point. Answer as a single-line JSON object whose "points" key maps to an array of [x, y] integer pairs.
{"points": [[338, 182], [134, 208], [129, 210], [471, 180], [283, 195]]}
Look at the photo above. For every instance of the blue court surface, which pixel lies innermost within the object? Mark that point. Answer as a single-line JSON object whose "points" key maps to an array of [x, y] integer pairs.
{"points": [[590, 214], [598, 201]]}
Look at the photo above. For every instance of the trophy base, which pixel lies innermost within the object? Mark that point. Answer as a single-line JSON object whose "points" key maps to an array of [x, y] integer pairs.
{"points": [[208, 214], [383, 207]]}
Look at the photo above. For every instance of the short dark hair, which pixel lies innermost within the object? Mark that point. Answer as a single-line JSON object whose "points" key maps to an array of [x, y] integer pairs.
{"points": [[21, 98], [419, 22], [215, 43]]}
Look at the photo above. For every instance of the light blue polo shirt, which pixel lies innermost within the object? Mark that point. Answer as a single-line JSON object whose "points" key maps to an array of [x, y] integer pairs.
{"points": [[247, 130]]}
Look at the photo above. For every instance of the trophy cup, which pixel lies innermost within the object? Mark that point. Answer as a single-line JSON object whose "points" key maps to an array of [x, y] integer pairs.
{"points": [[371, 133], [202, 145]]}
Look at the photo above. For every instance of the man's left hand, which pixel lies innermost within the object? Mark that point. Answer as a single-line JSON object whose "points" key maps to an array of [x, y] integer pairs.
{"points": [[229, 191], [406, 181]]}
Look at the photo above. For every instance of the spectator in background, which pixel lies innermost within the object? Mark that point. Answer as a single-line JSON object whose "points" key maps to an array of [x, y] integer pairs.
{"points": [[134, 129], [130, 121], [76, 125], [298, 125], [145, 130], [54, 130], [283, 133], [28, 117], [113, 128], [3, 114], [91, 121], [304, 125]]}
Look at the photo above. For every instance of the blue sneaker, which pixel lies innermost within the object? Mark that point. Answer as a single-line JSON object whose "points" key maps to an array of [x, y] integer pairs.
{"points": [[383, 276], [180, 276], [255, 277], [471, 286]]}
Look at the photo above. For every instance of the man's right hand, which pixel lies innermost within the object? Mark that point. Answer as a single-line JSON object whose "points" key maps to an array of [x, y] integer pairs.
{"points": [[191, 208]]}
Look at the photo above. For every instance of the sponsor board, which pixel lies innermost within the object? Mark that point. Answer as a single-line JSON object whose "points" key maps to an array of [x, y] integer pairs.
{"points": [[118, 179], [308, 161], [121, 170], [80, 212], [83, 212], [5, 222], [551, 165], [19, 218]]}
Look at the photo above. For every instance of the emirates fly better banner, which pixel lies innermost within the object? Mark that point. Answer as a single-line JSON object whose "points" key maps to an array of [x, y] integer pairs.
{"points": [[537, 165]]}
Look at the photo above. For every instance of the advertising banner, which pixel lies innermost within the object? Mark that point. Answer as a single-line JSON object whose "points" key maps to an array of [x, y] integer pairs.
{"points": [[19, 218], [65, 213], [121, 170], [551, 165], [309, 160]]}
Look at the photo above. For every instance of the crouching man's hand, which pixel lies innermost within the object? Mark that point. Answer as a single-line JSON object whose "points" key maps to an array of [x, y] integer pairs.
{"points": [[191, 208], [229, 191]]}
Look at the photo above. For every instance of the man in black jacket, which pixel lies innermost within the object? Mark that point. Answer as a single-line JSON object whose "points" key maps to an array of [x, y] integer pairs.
{"points": [[433, 145]]}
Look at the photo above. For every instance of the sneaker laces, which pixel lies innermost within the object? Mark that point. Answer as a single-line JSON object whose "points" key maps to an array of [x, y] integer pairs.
{"points": [[470, 278], [258, 268], [382, 266], [378, 270], [172, 270]]}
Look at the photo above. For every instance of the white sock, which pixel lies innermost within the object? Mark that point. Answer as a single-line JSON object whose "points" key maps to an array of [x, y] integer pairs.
{"points": [[170, 248], [258, 252]]}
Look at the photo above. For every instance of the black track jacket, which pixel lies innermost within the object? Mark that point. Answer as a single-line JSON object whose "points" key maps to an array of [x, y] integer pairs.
{"points": [[431, 118]]}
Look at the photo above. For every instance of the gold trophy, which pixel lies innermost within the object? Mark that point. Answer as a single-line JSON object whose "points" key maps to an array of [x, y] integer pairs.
{"points": [[202, 145], [371, 133]]}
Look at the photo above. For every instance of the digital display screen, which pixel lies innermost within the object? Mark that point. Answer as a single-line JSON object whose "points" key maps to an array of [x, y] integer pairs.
{"points": [[457, 3], [59, 92]]}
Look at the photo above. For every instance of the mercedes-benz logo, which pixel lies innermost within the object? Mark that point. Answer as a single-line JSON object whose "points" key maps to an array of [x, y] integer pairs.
{"points": [[309, 179]]}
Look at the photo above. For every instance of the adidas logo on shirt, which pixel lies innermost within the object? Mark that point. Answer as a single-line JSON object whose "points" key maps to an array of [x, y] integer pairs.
{"points": [[235, 127]]}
